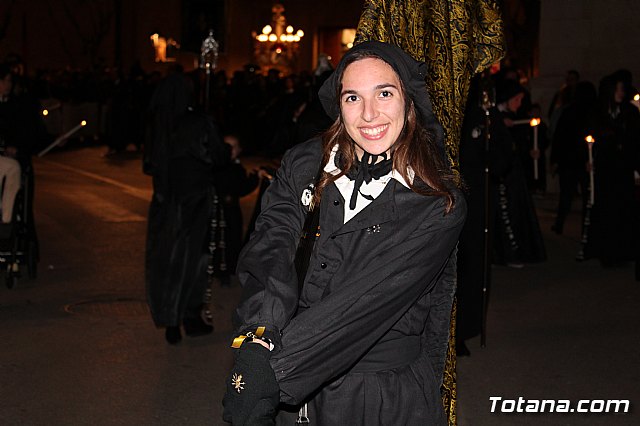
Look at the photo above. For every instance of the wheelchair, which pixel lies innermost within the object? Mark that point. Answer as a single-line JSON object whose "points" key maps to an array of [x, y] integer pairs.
{"points": [[18, 242]]}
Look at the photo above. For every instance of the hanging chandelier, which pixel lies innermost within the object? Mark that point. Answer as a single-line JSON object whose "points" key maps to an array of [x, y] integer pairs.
{"points": [[278, 43]]}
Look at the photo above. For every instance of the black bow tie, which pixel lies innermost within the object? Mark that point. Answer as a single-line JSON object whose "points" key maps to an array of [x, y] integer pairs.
{"points": [[366, 169]]}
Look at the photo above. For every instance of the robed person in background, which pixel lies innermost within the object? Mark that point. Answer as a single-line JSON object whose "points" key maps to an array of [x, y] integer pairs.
{"points": [[517, 238], [616, 156], [183, 151], [569, 150]]}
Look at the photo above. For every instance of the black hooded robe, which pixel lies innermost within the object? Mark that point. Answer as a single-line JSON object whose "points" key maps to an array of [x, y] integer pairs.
{"points": [[613, 218], [517, 237], [179, 221]]}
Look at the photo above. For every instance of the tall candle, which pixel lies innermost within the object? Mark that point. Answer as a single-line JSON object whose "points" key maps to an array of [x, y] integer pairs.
{"points": [[62, 138], [534, 123], [590, 141]]}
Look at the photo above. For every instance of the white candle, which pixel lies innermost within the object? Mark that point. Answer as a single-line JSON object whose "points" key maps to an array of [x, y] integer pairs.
{"points": [[534, 123], [590, 140], [62, 138]]}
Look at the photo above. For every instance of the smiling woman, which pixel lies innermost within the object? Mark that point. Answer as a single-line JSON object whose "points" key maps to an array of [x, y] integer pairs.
{"points": [[358, 336], [372, 105]]}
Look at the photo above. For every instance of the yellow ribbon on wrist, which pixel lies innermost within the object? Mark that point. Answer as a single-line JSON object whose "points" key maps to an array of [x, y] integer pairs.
{"points": [[238, 340]]}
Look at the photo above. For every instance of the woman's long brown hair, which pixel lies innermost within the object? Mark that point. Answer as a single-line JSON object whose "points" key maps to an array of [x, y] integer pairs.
{"points": [[414, 149]]}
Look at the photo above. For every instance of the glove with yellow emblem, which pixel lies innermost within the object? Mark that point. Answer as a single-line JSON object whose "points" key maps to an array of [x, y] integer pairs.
{"points": [[253, 394]]}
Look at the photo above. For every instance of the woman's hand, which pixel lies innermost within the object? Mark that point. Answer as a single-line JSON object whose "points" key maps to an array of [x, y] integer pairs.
{"points": [[253, 393], [263, 174], [260, 342]]}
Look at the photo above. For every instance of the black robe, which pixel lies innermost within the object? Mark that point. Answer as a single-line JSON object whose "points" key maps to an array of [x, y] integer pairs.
{"points": [[518, 237], [178, 234], [614, 220], [365, 341], [569, 153]]}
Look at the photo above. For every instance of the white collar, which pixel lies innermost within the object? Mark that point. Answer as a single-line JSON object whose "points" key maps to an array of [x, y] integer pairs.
{"points": [[331, 167]]}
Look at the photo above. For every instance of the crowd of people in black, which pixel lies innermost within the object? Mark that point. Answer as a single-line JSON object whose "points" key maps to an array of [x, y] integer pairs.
{"points": [[502, 199], [612, 120], [271, 102]]}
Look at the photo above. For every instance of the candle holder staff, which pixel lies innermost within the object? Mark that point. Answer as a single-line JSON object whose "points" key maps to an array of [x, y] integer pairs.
{"points": [[485, 155], [208, 62]]}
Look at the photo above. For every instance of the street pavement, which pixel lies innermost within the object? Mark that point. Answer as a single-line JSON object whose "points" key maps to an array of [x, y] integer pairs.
{"points": [[79, 346]]}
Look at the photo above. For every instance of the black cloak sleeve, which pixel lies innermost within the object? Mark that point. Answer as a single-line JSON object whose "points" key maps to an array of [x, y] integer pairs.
{"points": [[266, 269]]}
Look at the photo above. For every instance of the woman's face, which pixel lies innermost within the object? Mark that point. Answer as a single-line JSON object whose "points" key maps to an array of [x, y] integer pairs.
{"points": [[372, 105]]}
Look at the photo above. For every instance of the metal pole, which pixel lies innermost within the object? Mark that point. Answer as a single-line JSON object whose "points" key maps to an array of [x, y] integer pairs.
{"points": [[207, 88], [486, 266], [208, 62]]}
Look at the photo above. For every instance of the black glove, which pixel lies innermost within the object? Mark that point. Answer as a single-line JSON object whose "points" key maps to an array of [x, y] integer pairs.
{"points": [[252, 390]]}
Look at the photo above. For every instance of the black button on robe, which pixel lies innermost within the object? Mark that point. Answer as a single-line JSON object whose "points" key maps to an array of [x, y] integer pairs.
{"points": [[365, 342]]}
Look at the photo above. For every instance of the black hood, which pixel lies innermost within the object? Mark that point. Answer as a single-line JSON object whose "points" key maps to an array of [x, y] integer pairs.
{"points": [[412, 73]]}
